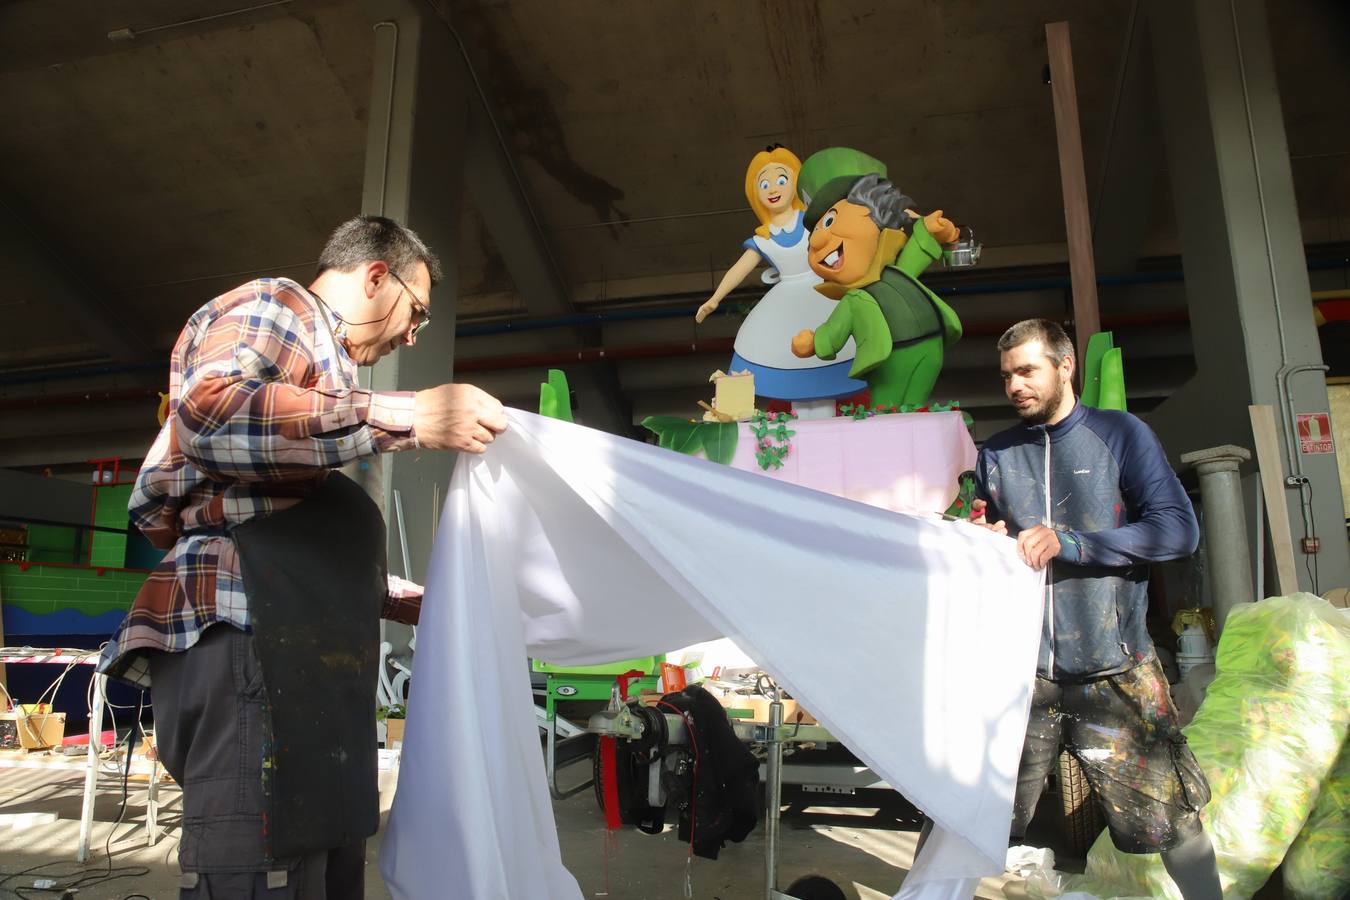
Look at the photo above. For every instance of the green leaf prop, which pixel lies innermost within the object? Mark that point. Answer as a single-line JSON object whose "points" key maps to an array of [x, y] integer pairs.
{"points": [[717, 440], [555, 397]]}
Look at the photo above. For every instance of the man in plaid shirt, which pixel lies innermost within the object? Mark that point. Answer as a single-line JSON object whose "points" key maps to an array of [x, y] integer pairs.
{"points": [[263, 402]]}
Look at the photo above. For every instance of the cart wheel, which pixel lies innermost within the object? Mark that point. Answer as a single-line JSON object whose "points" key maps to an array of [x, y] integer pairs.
{"points": [[815, 887], [1080, 819]]}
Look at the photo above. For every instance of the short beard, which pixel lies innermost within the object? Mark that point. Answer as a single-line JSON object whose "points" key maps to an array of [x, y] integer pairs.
{"points": [[1047, 410]]}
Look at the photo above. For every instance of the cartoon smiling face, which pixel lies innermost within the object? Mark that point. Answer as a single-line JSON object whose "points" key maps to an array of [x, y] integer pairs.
{"points": [[775, 186], [843, 243]]}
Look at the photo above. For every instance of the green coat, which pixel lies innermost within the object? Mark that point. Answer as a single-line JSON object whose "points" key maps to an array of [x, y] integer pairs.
{"points": [[895, 309]]}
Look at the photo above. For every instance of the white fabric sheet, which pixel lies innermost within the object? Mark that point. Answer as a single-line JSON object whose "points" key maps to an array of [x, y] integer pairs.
{"points": [[912, 639]]}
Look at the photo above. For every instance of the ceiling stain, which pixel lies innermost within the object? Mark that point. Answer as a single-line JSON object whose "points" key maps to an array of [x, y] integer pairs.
{"points": [[494, 276], [523, 111], [795, 37]]}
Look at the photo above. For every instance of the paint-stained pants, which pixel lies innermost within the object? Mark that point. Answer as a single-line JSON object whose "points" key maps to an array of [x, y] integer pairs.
{"points": [[1125, 733], [208, 703]]}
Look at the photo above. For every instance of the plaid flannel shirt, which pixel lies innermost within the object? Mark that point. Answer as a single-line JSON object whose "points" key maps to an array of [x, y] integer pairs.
{"points": [[263, 401]]}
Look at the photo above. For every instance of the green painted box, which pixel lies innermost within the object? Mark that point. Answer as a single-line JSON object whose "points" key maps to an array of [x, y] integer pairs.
{"points": [[649, 665]]}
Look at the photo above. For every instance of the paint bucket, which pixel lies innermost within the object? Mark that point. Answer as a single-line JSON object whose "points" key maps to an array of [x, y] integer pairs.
{"points": [[1193, 641], [1187, 661]]}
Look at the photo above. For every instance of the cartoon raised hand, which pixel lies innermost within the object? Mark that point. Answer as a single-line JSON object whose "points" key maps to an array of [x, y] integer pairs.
{"points": [[943, 230]]}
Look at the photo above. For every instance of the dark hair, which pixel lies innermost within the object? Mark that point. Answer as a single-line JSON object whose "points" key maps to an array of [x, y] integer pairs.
{"points": [[369, 238], [885, 203], [1052, 337]]}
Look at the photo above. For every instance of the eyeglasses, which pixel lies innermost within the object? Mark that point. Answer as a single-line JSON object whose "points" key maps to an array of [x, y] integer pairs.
{"points": [[421, 315]]}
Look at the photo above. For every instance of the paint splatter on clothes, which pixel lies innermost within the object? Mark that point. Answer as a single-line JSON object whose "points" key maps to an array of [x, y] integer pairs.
{"points": [[1101, 479], [1123, 728]]}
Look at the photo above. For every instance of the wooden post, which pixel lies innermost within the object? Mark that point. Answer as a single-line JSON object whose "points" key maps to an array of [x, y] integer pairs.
{"points": [[1077, 219], [1272, 487]]}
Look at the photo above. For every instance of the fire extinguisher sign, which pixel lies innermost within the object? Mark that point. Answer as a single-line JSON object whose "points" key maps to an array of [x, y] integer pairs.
{"points": [[1314, 433]]}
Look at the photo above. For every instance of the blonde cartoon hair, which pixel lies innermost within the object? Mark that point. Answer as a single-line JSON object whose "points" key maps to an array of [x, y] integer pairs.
{"points": [[775, 153]]}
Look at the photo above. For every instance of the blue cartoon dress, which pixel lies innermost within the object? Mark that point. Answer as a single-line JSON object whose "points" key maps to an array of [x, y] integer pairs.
{"points": [[764, 342]]}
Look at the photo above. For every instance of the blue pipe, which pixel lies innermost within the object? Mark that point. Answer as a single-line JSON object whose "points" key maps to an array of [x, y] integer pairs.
{"points": [[676, 312], [1003, 287], [82, 372]]}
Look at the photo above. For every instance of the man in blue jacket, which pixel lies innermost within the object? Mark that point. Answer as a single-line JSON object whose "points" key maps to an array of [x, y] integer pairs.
{"points": [[1090, 498]]}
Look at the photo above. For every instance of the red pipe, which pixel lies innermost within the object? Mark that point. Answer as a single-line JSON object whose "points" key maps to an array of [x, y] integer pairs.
{"points": [[39, 400]]}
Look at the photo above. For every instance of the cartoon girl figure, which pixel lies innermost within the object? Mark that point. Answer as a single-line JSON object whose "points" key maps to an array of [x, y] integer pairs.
{"points": [[764, 341]]}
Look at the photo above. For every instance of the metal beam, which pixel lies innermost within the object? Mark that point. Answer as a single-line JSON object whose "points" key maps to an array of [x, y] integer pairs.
{"points": [[1247, 283], [69, 288], [506, 209]]}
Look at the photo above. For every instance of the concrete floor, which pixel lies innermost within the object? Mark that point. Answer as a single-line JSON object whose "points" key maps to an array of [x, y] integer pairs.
{"points": [[865, 847]]}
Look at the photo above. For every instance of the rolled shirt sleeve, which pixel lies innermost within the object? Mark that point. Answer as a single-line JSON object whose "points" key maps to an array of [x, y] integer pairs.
{"points": [[249, 409]]}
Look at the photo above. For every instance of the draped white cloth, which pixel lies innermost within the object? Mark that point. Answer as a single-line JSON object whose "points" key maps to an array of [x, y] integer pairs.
{"points": [[912, 639]]}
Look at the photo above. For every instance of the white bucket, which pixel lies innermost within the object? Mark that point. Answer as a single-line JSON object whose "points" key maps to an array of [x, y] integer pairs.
{"points": [[1188, 661], [1192, 642]]}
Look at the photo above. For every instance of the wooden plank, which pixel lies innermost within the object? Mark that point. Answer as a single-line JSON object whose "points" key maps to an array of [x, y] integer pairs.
{"points": [[1073, 183], [1272, 487]]}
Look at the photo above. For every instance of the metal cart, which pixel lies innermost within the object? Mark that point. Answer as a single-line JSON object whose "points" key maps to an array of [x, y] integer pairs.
{"points": [[772, 736]]}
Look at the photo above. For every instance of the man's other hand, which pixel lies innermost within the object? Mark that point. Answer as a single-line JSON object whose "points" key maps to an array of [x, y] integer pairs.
{"points": [[1037, 546], [457, 417], [978, 508]]}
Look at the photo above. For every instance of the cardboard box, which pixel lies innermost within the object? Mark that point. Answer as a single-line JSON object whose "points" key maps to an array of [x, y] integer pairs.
{"points": [[733, 395], [393, 731], [38, 731], [758, 707]]}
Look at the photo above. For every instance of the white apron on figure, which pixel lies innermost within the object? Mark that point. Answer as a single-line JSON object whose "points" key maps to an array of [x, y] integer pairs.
{"points": [[764, 341]]}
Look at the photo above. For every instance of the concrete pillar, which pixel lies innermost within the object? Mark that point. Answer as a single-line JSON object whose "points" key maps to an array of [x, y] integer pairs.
{"points": [[414, 165], [1230, 559], [1246, 276]]}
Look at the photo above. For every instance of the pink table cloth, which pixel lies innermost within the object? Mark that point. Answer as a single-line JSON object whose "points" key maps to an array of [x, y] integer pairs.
{"points": [[906, 462]]}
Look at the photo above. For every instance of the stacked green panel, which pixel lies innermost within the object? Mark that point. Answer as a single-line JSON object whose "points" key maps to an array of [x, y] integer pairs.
{"points": [[110, 511]]}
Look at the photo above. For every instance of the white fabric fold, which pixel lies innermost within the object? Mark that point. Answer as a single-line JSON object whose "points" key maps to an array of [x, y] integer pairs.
{"points": [[912, 639]]}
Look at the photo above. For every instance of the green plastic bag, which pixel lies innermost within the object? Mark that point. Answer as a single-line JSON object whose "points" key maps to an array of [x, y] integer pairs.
{"points": [[1318, 865], [1267, 735]]}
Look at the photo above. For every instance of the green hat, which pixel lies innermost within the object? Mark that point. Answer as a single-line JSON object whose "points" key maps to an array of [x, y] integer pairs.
{"points": [[824, 166], [832, 192]]}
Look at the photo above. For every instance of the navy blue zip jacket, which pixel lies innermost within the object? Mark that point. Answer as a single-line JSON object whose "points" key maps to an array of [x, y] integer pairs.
{"points": [[1101, 479]]}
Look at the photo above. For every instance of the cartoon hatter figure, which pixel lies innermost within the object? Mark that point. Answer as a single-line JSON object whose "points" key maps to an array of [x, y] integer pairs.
{"points": [[870, 248]]}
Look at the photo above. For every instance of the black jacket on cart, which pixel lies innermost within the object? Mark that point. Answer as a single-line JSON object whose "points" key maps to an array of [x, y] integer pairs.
{"points": [[723, 782]]}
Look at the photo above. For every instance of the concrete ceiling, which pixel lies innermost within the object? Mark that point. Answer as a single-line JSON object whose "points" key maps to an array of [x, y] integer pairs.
{"points": [[139, 178]]}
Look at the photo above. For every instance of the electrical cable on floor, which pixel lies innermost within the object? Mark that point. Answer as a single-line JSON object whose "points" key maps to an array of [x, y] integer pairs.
{"points": [[86, 879]]}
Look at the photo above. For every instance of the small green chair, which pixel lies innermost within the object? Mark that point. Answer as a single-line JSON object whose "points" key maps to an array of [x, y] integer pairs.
{"points": [[1103, 373]]}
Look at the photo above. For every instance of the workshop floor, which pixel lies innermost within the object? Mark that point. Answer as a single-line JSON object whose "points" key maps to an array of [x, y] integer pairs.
{"points": [[863, 848]]}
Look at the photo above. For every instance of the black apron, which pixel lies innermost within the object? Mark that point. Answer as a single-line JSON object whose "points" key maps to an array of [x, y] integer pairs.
{"points": [[316, 576]]}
